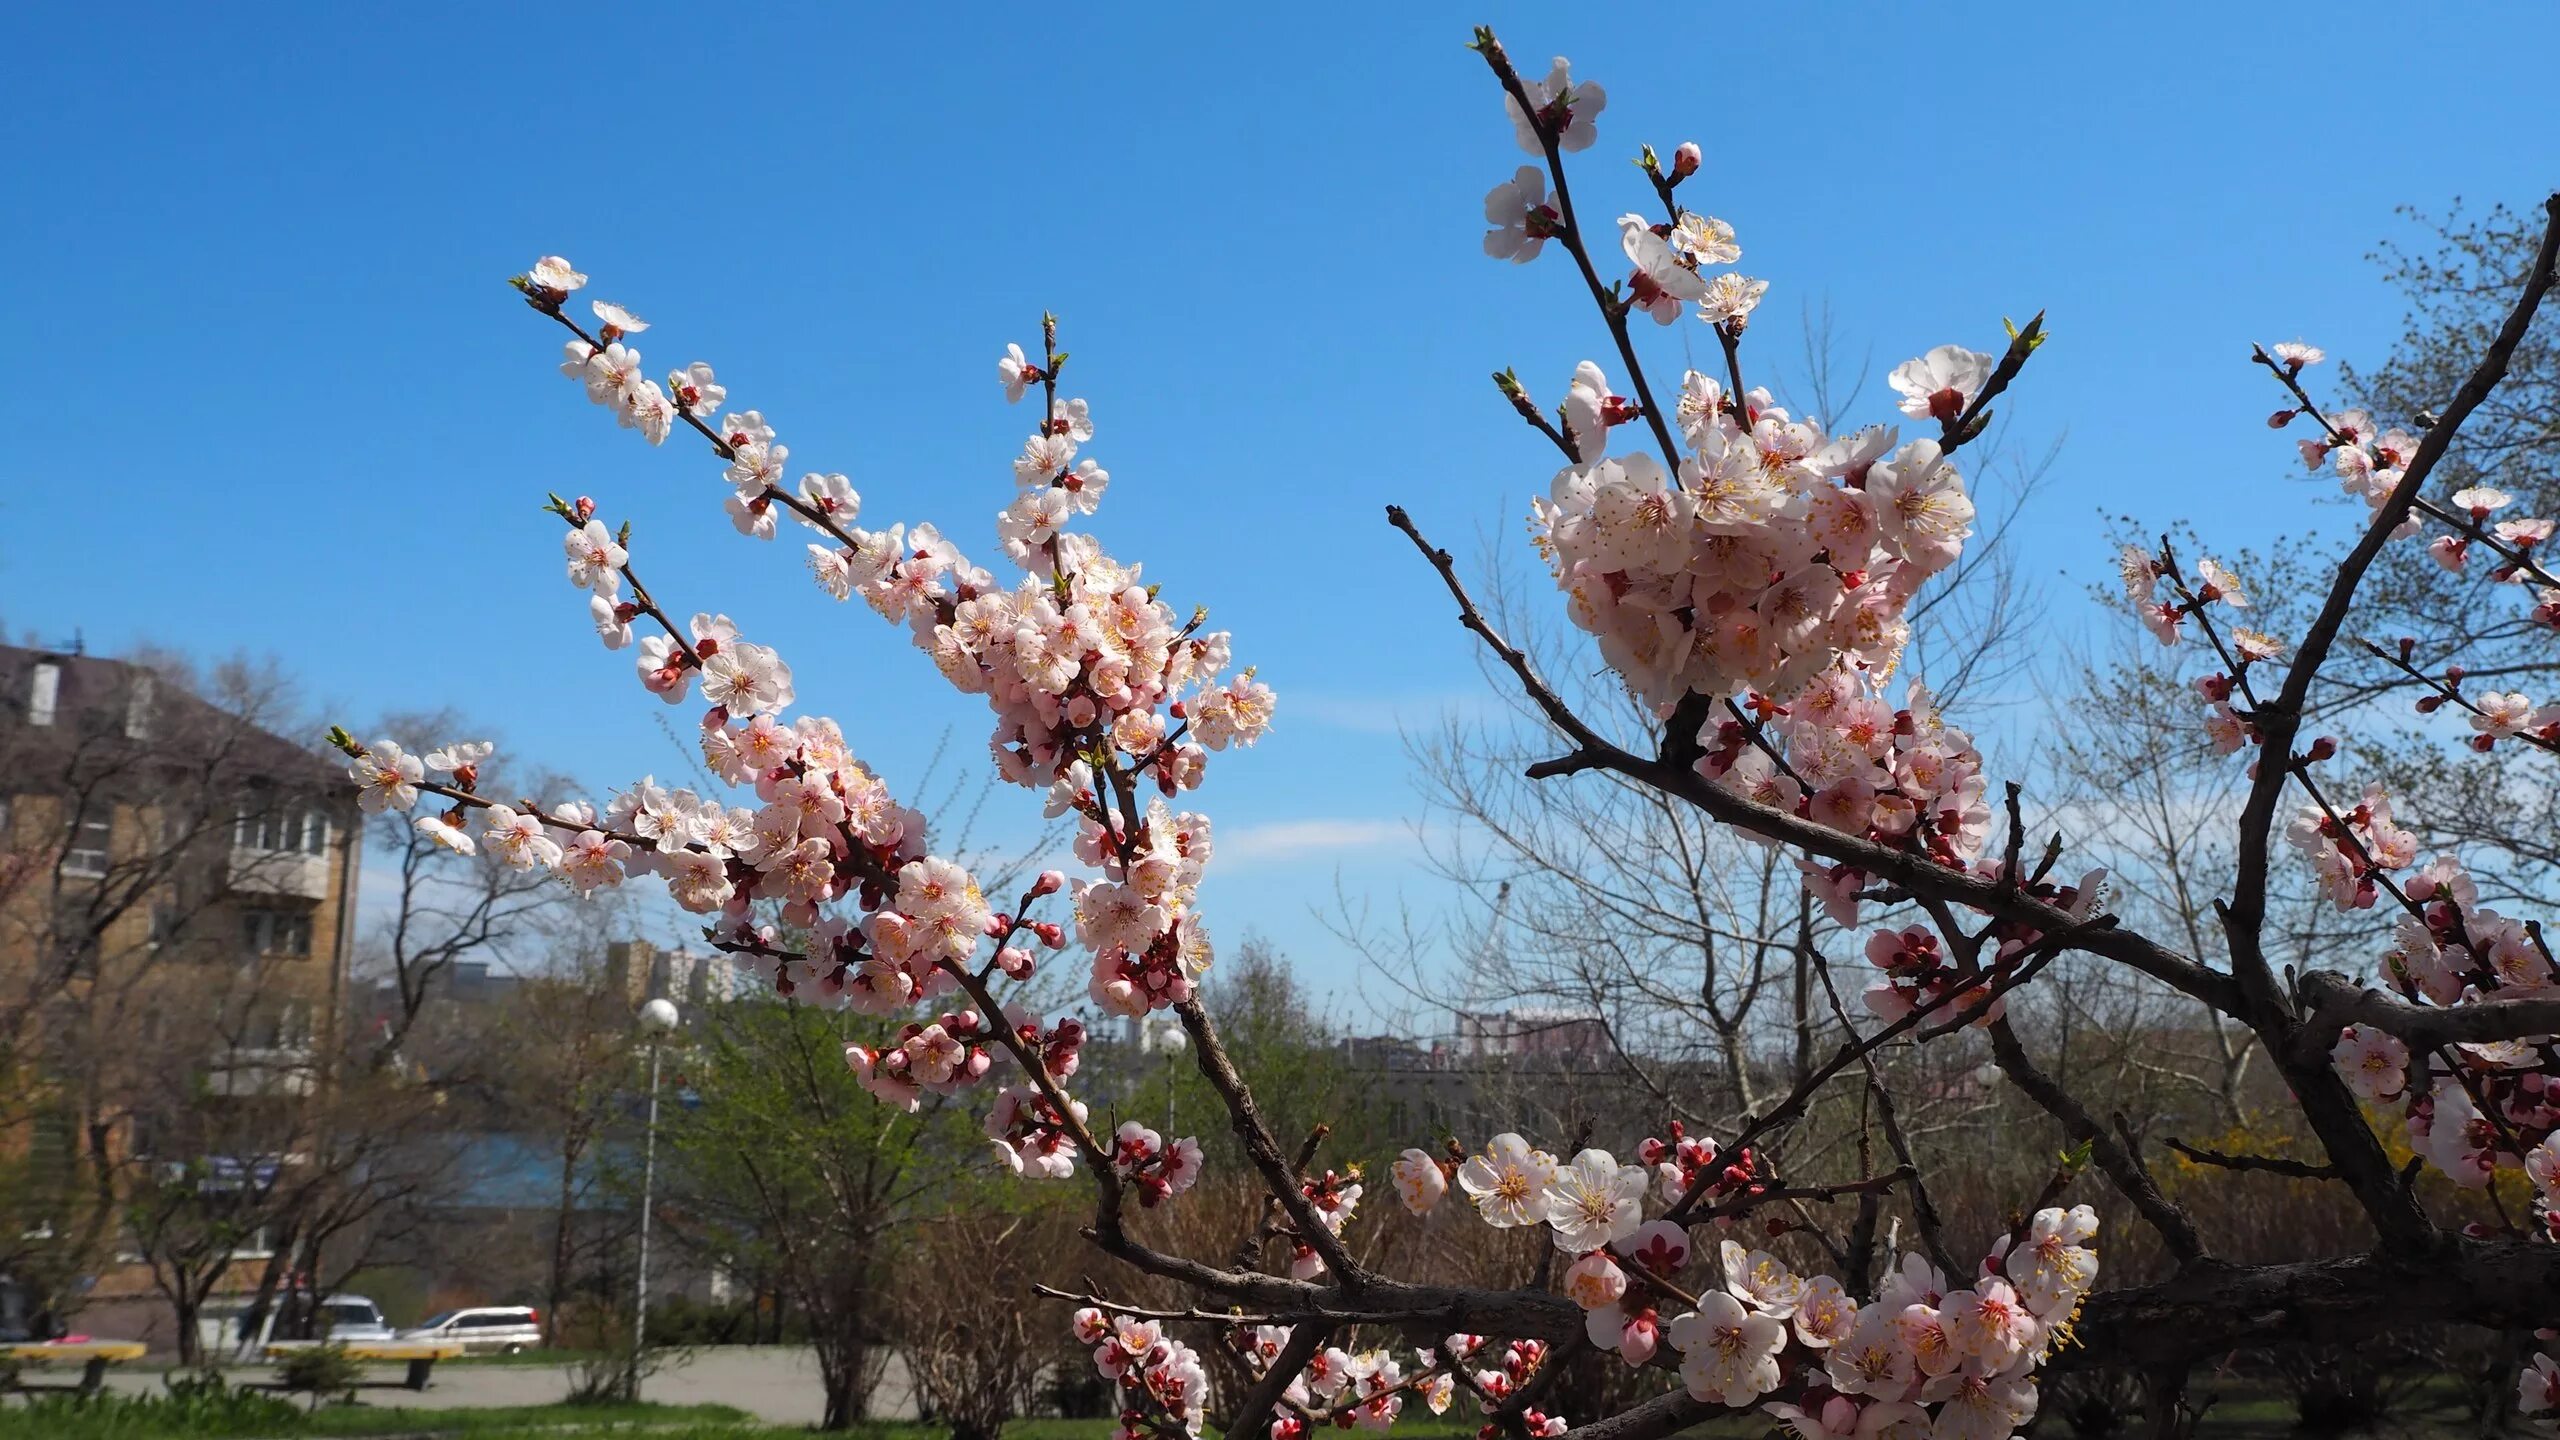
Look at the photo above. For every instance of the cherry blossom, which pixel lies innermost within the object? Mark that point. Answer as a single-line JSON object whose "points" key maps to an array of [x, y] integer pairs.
{"points": [[1558, 108], [1728, 1355], [1940, 384], [1508, 1182], [1420, 1182], [595, 560], [556, 275], [1594, 1201], [386, 777], [1522, 220], [2374, 1062]]}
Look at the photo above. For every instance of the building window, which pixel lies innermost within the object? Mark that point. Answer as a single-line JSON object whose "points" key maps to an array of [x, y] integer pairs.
{"points": [[43, 693], [275, 932], [283, 831], [85, 858]]}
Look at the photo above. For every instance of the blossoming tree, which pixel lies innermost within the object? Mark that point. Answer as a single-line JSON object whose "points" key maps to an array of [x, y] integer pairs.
{"points": [[1747, 573]]}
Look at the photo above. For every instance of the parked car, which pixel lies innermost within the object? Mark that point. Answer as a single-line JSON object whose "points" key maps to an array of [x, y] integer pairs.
{"points": [[353, 1320], [484, 1330]]}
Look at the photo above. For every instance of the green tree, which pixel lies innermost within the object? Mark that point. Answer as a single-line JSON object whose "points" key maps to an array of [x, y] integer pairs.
{"points": [[779, 1164], [1292, 1058]]}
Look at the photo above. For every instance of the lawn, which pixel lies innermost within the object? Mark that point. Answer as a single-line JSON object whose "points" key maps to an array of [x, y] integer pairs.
{"points": [[248, 1415], [2240, 1413]]}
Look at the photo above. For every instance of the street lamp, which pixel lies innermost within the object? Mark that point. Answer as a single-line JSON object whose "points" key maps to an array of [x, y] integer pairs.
{"points": [[657, 1020], [1174, 1043]]}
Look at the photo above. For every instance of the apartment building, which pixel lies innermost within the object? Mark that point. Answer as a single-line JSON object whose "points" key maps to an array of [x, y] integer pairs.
{"points": [[177, 887]]}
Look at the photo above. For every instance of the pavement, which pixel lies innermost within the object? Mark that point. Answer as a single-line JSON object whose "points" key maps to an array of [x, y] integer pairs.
{"points": [[775, 1383]]}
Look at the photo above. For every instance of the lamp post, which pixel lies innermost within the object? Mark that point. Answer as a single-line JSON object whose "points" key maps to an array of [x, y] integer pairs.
{"points": [[657, 1020], [1173, 1042]]}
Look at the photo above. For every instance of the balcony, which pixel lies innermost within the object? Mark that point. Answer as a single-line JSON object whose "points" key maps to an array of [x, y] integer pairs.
{"points": [[256, 871]]}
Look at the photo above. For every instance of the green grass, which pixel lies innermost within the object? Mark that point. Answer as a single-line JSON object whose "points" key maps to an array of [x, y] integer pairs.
{"points": [[518, 1420], [249, 1415], [2241, 1411]]}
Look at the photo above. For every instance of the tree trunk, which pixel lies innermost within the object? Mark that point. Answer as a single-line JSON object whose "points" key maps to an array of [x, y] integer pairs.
{"points": [[187, 1307], [555, 1289], [261, 1303]]}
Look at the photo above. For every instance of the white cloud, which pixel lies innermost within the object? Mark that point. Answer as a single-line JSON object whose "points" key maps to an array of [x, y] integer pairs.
{"points": [[1285, 840]]}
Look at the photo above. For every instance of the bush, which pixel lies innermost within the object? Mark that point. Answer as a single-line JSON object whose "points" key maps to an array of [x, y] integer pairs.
{"points": [[196, 1405], [319, 1372]]}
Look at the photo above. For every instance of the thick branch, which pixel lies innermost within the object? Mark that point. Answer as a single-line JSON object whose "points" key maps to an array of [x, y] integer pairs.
{"points": [[2336, 1001]]}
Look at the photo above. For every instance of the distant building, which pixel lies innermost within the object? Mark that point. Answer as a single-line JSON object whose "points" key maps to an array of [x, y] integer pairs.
{"points": [[176, 894], [691, 979], [1531, 1030], [1538, 1071]]}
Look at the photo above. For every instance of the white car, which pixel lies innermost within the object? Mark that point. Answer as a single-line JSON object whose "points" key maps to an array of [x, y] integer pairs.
{"points": [[352, 1320], [484, 1330]]}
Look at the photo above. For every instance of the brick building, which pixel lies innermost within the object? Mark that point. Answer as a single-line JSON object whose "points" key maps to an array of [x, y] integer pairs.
{"points": [[177, 887]]}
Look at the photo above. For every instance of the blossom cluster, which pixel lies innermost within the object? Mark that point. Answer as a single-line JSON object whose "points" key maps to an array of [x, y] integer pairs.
{"points": [[939, 1057], [1334, 1197], [2370, 462], [1923, 1352], [1159, 1170], [1838, 755], [1368, 1389], [2494, 715], [1092, 681], [2475, 1106], [1762, 553], [828, 884], [1774, 556], [2470, 1107], [1955, 1360], [1163, 1385], [1682, 1161]]}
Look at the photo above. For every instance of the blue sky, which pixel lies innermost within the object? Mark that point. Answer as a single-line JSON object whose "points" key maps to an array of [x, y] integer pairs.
{"points": [[270, 393]]}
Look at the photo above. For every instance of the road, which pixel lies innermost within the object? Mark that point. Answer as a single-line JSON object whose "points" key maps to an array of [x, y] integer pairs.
{"points": [[774, 1383]]}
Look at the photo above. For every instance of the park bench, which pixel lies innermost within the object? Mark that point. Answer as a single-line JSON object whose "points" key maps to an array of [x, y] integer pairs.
{"points": [[93, 1356], [419, 1355]]}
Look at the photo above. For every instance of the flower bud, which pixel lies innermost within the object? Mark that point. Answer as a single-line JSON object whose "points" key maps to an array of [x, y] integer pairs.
{"points": [[1049, 883], [1639, 1339], [1685, 161]]}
